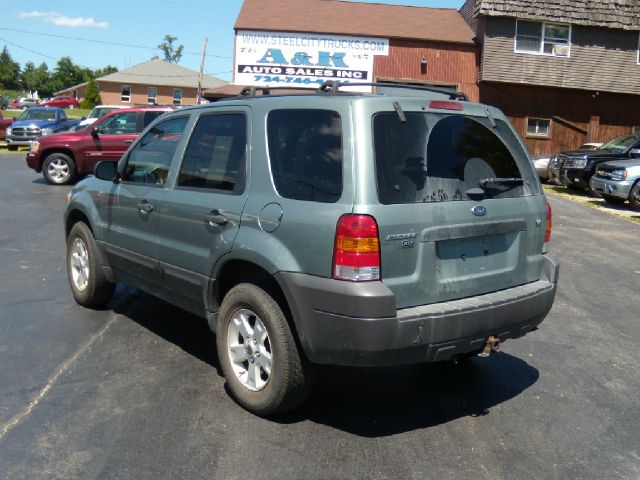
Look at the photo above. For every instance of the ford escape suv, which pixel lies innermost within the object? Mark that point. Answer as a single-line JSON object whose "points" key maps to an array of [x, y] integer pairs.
{"points": [[328, 228]]}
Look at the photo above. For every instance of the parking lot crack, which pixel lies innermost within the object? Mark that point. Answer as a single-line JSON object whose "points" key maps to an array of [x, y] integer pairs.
{"points": [[16, 420]]}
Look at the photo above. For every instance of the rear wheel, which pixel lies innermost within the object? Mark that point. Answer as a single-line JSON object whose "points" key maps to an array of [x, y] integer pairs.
{"points": [[634, 196], [88, 283], [265, 370], [613, 200], [59, 169]]}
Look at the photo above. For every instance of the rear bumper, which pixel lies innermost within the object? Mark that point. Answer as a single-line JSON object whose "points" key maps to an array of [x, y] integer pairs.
{"points": [[369, 331]]}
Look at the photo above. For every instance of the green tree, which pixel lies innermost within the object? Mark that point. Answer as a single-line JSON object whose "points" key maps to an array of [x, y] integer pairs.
{"points": [[67, 74], [171, 53], [9, 71], [91, 96], [101, 72]]}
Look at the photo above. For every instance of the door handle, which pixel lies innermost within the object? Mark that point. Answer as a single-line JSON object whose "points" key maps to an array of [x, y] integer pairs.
{"points": [[128, 141], [145, 207], [216, 218]]}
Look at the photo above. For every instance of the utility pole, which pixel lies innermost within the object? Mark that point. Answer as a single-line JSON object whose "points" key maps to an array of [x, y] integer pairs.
{"points": [[204, 53]]}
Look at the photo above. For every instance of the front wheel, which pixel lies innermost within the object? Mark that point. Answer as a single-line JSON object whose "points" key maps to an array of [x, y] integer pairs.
{"points": [[265, 370], [634, 196], [59, 169], [88, 283], [12, 148]]}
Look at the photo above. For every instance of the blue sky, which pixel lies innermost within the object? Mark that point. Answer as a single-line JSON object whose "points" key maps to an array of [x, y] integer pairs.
{"points": [[37, 31]]}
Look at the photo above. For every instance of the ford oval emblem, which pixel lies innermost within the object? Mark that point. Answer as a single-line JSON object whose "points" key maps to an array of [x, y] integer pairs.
{"points": [[479, 211]]}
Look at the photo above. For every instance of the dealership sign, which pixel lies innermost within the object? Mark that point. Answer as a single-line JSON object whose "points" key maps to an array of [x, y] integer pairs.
{"points": [[279, 59]]}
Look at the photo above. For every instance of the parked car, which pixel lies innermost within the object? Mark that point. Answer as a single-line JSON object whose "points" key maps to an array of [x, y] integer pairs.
{"points": [[348, 229], [37, 122], [61, 102], [547, 165], [23, 103], [62, 158], [578, 166], [97, 112], [4, 124], [618, 182]]}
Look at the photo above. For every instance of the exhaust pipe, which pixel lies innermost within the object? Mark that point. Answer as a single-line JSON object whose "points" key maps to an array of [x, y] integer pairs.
{"points": [[491, 345]]}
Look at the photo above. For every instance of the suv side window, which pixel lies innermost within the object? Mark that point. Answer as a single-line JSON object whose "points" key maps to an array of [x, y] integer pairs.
{"points": [[215, 155], [305, 152], [119, 124], [150, 159]]}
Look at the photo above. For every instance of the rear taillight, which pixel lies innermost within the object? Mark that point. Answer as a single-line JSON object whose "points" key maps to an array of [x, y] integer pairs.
{"points": [[547, 232], [356, 254]]}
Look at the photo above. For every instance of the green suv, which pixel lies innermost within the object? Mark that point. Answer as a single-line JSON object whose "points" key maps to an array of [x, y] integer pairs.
{"points": [[327, 228]]}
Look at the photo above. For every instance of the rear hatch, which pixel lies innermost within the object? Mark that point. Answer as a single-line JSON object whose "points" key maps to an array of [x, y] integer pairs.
{"points": [[460, 208]]}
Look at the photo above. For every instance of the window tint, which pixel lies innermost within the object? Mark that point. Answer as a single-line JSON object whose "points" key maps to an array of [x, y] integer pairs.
{"points": [[150, 117], [305, 151], [119, 124], [150, 159], [215, 156], [436, 158]]}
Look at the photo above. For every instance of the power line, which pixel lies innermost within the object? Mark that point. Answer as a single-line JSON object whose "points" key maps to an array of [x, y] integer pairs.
{"points": [[122, 73], [118, 44]]}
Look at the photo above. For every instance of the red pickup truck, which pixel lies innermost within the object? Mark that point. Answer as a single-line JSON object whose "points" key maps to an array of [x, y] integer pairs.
{"points": [[64, 157], [4, 123]]}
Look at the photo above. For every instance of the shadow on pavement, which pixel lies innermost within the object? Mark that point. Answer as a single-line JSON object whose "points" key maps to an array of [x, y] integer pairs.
{"points": [[187, 331], [369, 402], [387, 401]]}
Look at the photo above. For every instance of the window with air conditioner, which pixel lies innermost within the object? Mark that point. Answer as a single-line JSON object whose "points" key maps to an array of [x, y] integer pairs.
{"points": [[542, 38]]}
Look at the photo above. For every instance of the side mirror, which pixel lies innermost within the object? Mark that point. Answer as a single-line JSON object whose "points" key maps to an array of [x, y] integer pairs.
{"points": [[94, 132], [106, 170], [634, 152], [83, 118]]}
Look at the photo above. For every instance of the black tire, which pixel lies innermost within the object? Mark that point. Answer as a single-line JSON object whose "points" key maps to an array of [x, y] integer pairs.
{"points": [[288, 382], [634, 196], [88, 283], [12, 148], [59, 169], [613, 200]]}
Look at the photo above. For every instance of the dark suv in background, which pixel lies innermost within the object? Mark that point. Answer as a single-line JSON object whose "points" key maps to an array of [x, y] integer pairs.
{"points": [[63, 157], [578, 166], [329, 228]]}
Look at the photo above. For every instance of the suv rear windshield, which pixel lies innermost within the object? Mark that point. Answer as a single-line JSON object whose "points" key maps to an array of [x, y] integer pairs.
{"points": [[305, 151], [437, 158]]}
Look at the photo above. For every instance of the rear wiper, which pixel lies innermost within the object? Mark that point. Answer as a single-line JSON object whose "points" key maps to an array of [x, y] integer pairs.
{"points": [[500, 181]]}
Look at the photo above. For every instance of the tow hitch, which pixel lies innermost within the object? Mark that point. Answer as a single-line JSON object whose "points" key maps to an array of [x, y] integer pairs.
{"points": [[491, 345]]}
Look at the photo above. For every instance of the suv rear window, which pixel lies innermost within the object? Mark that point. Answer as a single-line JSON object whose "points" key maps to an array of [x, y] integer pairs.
{"points": [[436, 158], [305, 151]]}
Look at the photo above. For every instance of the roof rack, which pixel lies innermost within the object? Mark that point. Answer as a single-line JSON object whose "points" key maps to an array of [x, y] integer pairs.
{"points": [[333, 86]]}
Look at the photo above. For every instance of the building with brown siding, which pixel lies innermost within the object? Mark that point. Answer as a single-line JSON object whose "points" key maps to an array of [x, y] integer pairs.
{"points": [[429, 46], [564, 71], [152, 82]]}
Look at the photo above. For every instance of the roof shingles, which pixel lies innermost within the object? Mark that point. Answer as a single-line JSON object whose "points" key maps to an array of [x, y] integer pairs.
{"points": [[356, 19], [622, 14]]}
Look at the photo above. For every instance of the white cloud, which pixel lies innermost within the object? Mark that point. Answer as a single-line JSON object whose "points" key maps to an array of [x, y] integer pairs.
{"points": [[63, 20]]}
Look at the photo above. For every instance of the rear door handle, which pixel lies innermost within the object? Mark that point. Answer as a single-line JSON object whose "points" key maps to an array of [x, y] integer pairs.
{"points": [[145, 207], [216, 218]]}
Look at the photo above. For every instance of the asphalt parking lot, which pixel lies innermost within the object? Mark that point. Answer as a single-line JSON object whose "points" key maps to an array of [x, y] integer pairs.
{"points": [[135, 392]]}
